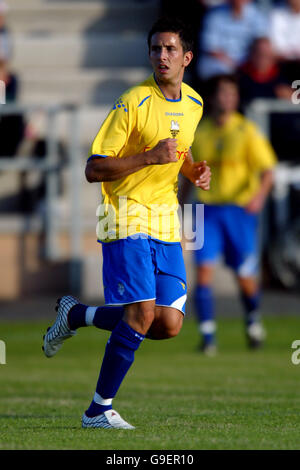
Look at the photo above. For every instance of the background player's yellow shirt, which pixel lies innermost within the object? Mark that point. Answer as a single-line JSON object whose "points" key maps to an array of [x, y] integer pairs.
{"points": [[237, 154], [137, 122]]}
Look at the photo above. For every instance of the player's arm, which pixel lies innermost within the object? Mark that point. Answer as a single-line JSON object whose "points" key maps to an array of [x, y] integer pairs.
{"points": [[257, 202], [112, 168], [197, 173], [262, 159]]}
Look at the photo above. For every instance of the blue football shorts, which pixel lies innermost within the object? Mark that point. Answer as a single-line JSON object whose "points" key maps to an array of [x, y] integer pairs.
{"points": [[232, 232], [135, 270]]}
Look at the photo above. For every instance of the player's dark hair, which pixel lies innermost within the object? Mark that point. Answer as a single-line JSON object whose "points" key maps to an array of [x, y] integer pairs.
{"points": [[173, 25], [213, 83]]}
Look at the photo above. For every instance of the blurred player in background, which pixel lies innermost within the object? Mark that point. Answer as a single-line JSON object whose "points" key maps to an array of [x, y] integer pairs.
{"points": [[138, 153], [242, 163]]}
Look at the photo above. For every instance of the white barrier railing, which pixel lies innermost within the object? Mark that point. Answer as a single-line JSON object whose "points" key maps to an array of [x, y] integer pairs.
{"points": [[50, 166]]}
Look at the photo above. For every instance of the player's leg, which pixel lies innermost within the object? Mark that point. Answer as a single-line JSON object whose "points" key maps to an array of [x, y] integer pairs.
{"points": [[104, 317], [205, 307], [167, 323], [119, 356], [205, 260], [250, 297], [171, 290], [242, 256], [131, 282], [71, 315]]}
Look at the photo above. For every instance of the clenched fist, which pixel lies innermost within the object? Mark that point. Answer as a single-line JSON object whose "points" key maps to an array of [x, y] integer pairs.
{"points": [[163, 152], [201, 175]]}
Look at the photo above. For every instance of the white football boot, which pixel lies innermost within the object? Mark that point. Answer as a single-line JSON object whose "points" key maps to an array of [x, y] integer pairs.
{"points": [[60, 330], [256, 335], [108, 419]]}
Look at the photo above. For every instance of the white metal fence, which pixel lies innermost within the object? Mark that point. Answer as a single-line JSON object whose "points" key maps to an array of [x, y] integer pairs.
{"points": [[50, 166]]}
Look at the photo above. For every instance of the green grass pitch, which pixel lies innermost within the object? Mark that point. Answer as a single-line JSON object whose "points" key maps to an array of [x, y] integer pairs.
{"points": [[176, 398]]}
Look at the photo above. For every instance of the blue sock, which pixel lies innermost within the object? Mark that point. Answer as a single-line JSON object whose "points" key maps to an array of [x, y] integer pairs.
{"points": [[251, 306], [118, 357], [205, 310], [105, 318], [96, 409], [76, 316]]}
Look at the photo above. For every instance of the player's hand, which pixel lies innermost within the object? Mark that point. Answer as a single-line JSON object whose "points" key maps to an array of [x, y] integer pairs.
{"points": [[163, 152], [201, 175], [256, 204]]}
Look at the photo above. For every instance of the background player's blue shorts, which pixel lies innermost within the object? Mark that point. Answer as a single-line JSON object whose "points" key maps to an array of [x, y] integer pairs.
{"points": [[144, 269], [231, 231]]}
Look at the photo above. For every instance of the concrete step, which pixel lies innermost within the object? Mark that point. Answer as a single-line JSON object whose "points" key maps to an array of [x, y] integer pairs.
{"points": [[90, 120], [97, 86], [69, 50], [80, 17]]}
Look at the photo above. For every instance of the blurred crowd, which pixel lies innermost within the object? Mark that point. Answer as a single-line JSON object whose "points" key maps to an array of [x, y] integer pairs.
{"points": [[258, 42], [260, 45], [19, 135], [226, 34]]}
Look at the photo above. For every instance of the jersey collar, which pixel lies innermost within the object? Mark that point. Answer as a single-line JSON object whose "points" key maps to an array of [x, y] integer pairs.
{"points": [[161, 93]]}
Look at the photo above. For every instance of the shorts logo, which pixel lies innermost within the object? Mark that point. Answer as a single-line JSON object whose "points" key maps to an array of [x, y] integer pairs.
{"points": [[174, 128], [121, 289], [182, 284]]}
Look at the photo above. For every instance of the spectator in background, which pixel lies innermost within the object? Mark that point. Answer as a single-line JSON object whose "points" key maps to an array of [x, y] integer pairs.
{"points": [[11, 126], [242, 161], [261, 76], [5, 39], [227, 33], [285, 30]]}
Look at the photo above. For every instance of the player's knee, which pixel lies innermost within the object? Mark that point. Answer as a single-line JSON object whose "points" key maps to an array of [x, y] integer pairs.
{"points": [[248, 285], [146, 318], [140, 316], [205, 274], [172, 325]]}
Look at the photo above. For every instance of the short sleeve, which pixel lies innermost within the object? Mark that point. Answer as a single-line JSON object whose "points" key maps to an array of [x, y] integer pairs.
{"points": [[261, 154], [114, 132]]}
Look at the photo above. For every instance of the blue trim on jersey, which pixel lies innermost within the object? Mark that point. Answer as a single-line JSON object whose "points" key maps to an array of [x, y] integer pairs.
{"points": [[167, 99], [194, 99], [96, 155], [144, 100], [173, 101]]}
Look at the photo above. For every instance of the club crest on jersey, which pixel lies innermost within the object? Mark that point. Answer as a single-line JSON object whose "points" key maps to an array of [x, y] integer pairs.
{"points": [[174, 128]]}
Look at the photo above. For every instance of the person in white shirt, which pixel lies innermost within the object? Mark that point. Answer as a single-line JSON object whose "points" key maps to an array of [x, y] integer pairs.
{"points": [[228, 31], [285, 31]]}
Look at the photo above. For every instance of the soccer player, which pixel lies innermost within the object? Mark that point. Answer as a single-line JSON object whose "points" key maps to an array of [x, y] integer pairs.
{"points": [[138, 153], [242, 162]]}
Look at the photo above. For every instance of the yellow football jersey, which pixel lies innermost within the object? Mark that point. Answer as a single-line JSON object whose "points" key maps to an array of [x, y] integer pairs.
{"points": [[237, 153], [145, 201]]}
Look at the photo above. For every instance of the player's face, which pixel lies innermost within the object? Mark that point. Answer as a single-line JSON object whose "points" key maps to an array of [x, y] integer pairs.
{"points": [[167, 57], [226, 98]]}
